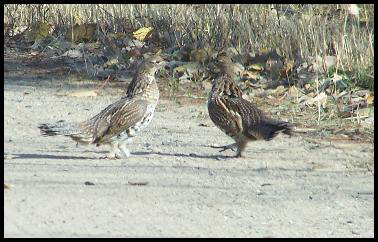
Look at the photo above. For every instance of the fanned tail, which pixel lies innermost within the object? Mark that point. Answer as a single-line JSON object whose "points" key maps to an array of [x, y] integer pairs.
{"points": [[59, 128], [271, 128]]}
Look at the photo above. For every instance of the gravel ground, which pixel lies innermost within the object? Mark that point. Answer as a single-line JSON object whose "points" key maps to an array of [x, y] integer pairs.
{"points": [[174, 184]]}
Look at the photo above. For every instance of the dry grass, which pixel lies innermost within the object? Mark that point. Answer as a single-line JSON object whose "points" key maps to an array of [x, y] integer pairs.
{"points": [[303, 29]]}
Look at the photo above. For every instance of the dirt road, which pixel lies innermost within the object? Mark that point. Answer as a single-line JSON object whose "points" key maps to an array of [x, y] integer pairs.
{"points": [[174, 185]]}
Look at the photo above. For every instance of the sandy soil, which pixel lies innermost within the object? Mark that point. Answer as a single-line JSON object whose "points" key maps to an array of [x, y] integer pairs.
{"points": [[288, 187]]}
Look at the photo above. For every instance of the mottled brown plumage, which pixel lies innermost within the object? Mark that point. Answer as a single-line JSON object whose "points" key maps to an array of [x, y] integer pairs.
{"points": [[120, 121], [235, 116]]}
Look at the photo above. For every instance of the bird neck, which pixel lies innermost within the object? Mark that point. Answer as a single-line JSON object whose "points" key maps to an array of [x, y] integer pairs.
{"points": [[227, 70], [144, 87], [151, 93], [225, 86], [144, 76], [217, 88]]}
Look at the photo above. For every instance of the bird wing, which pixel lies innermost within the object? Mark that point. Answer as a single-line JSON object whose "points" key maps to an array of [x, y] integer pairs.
{"points": [[234, 114], [226, 119], [248, 112], [256, 124], [117, 118]]}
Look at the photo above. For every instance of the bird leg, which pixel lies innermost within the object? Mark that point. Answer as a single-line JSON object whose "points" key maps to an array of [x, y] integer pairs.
{"points": [[226, 147], [238, 153], [241, 146], [115, 152], [124, 150]]}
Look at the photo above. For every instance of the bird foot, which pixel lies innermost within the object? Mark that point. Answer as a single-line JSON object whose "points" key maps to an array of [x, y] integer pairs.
{"points": [[125, 153], [116, 155], [123, 150], [118, 151], [226, 147], [110, 156], [238, 155]]}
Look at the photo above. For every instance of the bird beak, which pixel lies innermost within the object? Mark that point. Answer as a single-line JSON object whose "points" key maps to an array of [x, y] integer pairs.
{"points": [[164, 63], [165, 59]]}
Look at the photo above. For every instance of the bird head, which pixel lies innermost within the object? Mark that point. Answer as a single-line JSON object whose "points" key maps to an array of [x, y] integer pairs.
{"points": [[153, 63], [222, 59], [156, 60], [221, 65]]}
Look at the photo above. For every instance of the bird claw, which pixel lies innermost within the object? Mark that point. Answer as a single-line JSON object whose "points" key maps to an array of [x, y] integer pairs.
{"points": [[226, 147], [111, 156], [114, 155], [238, 155], [118, 151], [125, 153]]}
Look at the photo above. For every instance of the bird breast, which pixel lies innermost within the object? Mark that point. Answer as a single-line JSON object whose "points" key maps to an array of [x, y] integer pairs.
{"points": [[152, 92], [143, 123]]}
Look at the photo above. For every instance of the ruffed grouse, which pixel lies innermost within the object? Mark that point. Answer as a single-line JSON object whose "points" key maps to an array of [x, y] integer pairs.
{"points": [[235, 116], [120, 121]]}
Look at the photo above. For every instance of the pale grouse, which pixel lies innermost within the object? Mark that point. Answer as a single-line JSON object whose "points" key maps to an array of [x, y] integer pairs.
{"points": [[119, 122], [235, 116]]}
